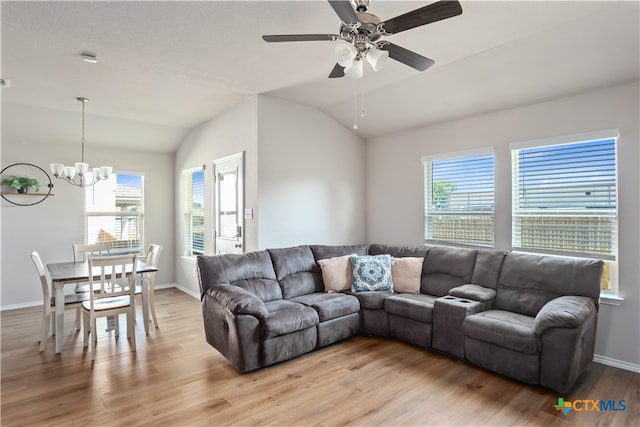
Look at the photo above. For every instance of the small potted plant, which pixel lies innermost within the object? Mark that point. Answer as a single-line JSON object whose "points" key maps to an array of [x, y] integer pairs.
{"points": [[22, 183]]}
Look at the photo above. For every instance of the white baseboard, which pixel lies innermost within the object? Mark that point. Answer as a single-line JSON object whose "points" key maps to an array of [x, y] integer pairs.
{"points": [[616, 363], [38, 303]]}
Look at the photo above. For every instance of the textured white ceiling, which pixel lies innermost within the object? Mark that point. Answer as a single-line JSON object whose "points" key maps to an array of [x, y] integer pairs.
{"points": [[165, 67]]}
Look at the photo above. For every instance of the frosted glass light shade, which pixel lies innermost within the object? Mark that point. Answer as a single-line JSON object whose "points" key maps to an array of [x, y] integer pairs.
{"points": [[105, 172], [377, 58], [355, 71], [56, 169], [345, 53], [81, 168], [69, 172]]}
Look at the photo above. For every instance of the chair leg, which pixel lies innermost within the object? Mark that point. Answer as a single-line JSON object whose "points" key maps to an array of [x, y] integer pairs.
{"points": [[117, 320], [44, 329], [131, 318], [86, 325], [78, 317], [152, 307], [94, 340]]}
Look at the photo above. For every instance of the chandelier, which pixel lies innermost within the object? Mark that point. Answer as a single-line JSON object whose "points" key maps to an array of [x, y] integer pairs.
{"points": [[78, 174]]}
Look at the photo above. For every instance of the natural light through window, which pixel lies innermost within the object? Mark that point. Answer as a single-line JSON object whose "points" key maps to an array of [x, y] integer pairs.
{"points": [[565, 200], [193, 187], [114, 211], [459, 199]]}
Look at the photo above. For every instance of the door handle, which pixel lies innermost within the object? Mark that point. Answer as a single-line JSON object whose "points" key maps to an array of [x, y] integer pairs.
{"points": [[237, 245]]}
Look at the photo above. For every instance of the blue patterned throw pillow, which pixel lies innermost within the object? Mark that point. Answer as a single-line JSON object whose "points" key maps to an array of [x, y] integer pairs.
{"points": [[371, 273]]}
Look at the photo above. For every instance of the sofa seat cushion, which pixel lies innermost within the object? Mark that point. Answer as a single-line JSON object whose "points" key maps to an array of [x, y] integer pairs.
{"points": [[503, 328], [413, 306], [286, 317], [330, 306], [372, 300]]}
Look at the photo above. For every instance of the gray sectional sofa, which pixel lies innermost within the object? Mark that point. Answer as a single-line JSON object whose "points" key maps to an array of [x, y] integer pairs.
{"points": [[532, 318]]}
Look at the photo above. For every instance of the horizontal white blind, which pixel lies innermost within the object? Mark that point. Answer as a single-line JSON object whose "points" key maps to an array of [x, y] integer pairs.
{"points": [[564, 198], [459, 199], [194, 211]]}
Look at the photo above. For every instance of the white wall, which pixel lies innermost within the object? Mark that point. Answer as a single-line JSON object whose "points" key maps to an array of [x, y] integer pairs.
{"points": [[54, 225], [304, 177], [311, 187], [231, 132], [395, 201]]}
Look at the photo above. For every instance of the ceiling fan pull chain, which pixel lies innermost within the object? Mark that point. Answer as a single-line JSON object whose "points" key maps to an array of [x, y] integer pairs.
{"points": [[355, 112]]}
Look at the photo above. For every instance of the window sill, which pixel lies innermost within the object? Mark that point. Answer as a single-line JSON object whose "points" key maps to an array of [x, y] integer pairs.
{"points": [[611, 299]]}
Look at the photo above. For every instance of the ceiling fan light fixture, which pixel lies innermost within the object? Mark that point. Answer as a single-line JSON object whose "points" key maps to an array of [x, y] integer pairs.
{"points": [[355, 70], [377, 58], [345, 53]]}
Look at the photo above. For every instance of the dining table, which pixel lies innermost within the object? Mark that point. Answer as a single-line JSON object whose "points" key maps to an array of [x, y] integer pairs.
{"points": [[64, 273]]}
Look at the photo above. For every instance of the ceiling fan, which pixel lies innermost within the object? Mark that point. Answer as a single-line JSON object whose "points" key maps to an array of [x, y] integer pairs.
{"points": [[361, 32]]}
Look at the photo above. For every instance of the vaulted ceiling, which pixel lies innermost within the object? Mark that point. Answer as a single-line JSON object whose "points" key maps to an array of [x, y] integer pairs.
{"points": [[165, 67]]}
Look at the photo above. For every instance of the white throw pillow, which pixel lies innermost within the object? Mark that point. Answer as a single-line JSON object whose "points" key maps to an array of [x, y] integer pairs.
{"points": [[336, 273], [406, 273]]}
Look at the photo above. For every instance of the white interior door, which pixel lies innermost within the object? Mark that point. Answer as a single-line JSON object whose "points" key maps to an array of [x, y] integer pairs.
{"points": [[228, 173]]}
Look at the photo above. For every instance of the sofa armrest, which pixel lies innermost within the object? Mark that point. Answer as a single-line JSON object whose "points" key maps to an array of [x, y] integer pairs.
{"points": [[473, 292], [563, 312], [238, 300]]}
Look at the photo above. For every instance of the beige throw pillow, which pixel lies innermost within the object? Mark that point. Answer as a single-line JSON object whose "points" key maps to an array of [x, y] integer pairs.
{"points": [[336, 273], [406, 274]]}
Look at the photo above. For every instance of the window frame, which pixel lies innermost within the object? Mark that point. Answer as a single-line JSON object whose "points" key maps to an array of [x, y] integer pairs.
{"points": [[611, 261], [138, 213], [427, 162], [188, 213]]}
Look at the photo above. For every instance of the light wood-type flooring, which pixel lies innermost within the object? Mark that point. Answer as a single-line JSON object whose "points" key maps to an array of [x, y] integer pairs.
{"points": [[176, 379]]}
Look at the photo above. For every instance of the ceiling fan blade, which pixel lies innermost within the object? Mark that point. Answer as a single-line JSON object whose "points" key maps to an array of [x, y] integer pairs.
{"points": [[338, 71], [344, 10], [407, 57], [299, 37], [425, 15]]}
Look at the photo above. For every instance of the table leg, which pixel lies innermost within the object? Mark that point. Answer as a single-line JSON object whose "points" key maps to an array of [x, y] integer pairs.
{"points": [[145, 303], [59, 313]]}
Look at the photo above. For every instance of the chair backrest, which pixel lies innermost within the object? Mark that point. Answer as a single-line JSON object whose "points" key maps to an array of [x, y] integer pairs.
{"points": [[112, 276], [46, 293], [153, 254], [81, 251]]}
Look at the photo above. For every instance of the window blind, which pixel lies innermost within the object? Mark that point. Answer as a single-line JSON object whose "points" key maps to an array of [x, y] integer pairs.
{"points": [[565, 199], [459, 199], [194, 211]]}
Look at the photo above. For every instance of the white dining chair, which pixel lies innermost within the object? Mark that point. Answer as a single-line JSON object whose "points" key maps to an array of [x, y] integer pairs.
{"points": [[48, 316], [114, 295], [81, 251]]}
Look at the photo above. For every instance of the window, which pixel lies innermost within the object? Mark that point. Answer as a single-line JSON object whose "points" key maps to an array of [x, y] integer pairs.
{"points": [[193, 185], [114, 212], [459, 194], [565, 199]]}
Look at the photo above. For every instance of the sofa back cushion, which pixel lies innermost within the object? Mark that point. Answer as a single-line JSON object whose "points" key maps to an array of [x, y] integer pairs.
{"points": [[527, 282], [399, 251], [445, 268], [296, 271], [331, 251], [487, 269], [252, 271]]}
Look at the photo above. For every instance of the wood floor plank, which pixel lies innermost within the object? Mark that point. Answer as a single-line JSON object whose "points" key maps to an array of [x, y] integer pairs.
{"points": [[175, 378]]}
